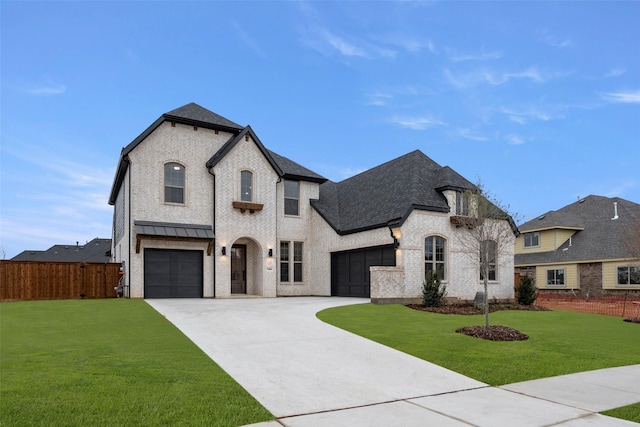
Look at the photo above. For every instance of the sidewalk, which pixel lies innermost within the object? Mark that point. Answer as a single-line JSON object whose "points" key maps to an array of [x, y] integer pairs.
{"points": [[308, 373]]}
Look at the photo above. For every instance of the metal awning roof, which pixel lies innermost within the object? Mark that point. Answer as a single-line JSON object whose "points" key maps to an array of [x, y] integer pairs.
{"points": [[172, 231]]}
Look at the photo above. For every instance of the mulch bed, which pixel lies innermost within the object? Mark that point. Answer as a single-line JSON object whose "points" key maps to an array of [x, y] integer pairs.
{"points": [[469, 309], [493, 333]]}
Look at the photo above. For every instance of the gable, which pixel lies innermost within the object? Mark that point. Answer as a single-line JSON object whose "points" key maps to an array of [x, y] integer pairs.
{"points": [[190, 114]]}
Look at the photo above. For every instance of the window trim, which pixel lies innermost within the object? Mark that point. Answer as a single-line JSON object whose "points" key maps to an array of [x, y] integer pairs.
{"points": [[250, 173], [297, 199], [290, 264], [628, 274], [533, 234], [434, 262], [173, 164], [555, 276]]}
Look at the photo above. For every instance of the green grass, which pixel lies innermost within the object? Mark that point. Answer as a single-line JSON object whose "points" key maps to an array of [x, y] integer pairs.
{"points": [[630, 412], [110, 362], [560, 342]]}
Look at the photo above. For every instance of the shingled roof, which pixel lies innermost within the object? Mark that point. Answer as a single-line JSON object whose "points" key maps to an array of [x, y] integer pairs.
{"points": [[97, 250], [597, 237], [387, 193]]}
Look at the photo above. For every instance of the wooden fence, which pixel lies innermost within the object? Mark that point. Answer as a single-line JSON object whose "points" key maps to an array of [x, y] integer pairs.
{"points": [[35, 280]]}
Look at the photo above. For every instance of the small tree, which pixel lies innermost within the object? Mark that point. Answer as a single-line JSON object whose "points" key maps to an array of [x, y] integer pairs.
{"points": [[527, 291], [433, 291], [489, 236]]}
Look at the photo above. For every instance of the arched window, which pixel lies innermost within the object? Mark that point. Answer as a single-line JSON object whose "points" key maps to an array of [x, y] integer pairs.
{"points": [[246, 186], [173, 183], [434, 255]]}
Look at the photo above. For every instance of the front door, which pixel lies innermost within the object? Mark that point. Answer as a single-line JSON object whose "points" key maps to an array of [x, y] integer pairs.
{"points": [[239, 269]]}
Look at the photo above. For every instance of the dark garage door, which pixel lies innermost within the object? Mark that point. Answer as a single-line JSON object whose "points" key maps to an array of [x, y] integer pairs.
{"points": [[172, 274], [350, 276]]}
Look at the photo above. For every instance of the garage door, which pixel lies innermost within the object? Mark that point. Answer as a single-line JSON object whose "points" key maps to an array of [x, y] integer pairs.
{"points": [[350, 275], [172, 274]]}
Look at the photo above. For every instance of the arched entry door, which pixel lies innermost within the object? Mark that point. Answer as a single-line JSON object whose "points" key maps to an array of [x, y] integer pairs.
{"points": [[239, 269]]}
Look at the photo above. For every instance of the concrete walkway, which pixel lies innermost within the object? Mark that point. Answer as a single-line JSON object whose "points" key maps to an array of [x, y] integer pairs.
{"points": [[308, 373]]}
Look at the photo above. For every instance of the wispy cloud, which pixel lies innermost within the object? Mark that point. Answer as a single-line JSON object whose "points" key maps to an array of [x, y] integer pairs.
{"points": [[456, 56], [615, 72], [379, 99], [552, 40], [624, 97], [497, 78], [526, 115], [417, 122], [470, 134], [514, 139], [246, 39], [343, 46], [47, 89]]}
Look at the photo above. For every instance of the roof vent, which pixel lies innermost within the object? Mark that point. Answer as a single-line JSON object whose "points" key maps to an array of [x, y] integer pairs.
{"points": [[542, 217], [615, 211]]}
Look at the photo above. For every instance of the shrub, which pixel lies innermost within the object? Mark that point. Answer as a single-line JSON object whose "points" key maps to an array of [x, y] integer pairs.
{"points": [[433, 291], [527, 292]]}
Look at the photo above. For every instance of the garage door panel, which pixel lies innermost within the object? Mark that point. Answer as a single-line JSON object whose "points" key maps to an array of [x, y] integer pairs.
{"points": [[172, 273], [350, 270]]}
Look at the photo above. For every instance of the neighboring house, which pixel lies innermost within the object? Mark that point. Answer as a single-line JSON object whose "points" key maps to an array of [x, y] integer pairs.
{"points": [[97, 250], [581, 247], [203, 209]]}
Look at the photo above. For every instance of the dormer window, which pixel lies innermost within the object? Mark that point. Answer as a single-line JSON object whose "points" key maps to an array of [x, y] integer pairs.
{"points": [[174, 183], [246, 186]]}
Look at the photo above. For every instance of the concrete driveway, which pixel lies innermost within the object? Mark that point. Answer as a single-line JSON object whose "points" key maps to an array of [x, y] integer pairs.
{"points": [[308, 373]]}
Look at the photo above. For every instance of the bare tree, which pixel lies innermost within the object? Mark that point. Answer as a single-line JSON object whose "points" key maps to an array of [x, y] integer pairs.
{"points": [[489, 238]]}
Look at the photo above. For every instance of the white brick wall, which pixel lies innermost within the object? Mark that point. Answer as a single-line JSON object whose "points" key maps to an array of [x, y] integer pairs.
{"points": [[258, 230], [264, 229]]}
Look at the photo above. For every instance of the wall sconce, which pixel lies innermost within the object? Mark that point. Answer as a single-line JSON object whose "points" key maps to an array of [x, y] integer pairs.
{"points": [[224, 250], [270, 253], [396, 242]]}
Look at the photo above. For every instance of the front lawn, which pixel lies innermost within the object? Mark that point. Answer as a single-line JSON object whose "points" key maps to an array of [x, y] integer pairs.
{"points": [[110, 363], [560, 342], [630, 413]]}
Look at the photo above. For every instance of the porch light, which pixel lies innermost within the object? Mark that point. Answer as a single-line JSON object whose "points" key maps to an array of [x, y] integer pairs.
{"points": [[270, 253], [224, 250]]}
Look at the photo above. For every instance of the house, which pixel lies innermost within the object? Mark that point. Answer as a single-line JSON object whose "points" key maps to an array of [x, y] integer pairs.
{"points": [[203, 209], [97, 250], [580, 248]]}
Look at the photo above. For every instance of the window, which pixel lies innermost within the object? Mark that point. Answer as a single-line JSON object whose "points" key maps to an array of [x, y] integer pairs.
{"points": [[462, 203], [287, 268], [173, 183], [246, 186], [284, 261], [629, 275], [434, 248], [555, 277], [291, 197], [531, 239], [488, 259]]}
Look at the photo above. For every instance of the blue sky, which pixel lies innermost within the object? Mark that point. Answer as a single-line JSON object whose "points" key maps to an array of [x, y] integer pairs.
{"points": [[538, 100]]}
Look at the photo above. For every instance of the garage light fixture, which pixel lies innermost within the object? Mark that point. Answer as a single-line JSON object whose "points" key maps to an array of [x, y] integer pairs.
{"points": [[224, 250], [270, 253]]}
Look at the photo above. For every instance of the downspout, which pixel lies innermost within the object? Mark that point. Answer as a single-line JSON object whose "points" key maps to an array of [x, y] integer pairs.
{"points": [[128, 286], [213, 202], [275, 245]]}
